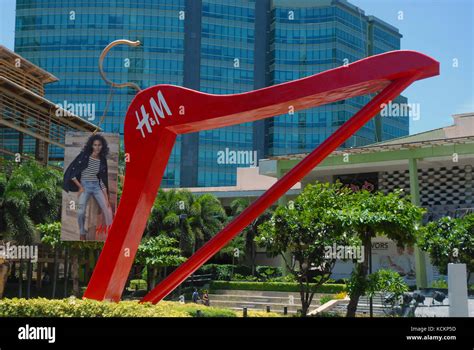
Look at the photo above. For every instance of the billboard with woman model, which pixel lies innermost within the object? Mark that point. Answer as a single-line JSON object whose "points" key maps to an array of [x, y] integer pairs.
{"points": [[90, 185]]}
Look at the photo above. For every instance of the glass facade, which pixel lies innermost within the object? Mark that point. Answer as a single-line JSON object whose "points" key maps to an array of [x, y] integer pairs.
{"points": [[309, 39], [227, 67], [304, 37]]}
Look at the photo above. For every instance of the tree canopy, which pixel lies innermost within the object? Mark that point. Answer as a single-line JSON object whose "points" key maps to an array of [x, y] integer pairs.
{"points": [[449, 240], [305, 227]]}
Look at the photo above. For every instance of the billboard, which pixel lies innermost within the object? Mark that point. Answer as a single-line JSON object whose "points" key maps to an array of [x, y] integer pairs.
{"points": [[386, 255], [89, 197]]}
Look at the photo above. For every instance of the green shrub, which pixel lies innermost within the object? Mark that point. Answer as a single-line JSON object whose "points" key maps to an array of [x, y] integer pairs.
{"points": [[386, 281], [255, 313], [137, 285], [441, 283], [325, 298], [239, 277], [275, 286], [72, 307], [227, 272], [206, 311], [288, 278], [223, 272], [265, 273]]}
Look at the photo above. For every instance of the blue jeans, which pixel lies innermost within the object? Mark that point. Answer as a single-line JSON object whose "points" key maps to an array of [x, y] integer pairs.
{"points": [[92, 188]]}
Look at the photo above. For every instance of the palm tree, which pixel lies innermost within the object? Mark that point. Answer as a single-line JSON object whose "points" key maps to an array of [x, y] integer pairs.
{"points": [[189, 219], [207, 217], [30, 194], [237, 206], [165, 218]]}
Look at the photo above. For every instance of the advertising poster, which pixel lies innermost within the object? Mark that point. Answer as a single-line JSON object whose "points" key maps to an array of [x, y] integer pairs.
{"points": [[386, 255], [89, 198]]}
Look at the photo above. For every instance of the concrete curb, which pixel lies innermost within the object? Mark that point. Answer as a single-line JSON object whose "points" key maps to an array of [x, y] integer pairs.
{"points": [[327, 306]]}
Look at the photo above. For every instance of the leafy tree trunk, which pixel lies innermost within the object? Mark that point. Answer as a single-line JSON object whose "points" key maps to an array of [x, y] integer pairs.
{"points": [[148, 278], [304, 301], [130, 277], [252, 257], [29, 276], [161, 276], [307, 303], [302, 297], [354, 301], [154, 275], [20, 279], [13, 269], [4, 268], [87, 266], [306, 296], [55, 273], [66, 270], [361, 275], [75, 272]]}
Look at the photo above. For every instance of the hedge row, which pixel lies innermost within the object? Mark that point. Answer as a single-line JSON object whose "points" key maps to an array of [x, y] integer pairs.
{"points": [[275, 286], [72, 307], [225, 272]]}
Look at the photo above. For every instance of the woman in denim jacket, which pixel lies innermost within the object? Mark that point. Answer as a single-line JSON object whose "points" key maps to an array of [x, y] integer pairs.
{"points": [[88, 175]]}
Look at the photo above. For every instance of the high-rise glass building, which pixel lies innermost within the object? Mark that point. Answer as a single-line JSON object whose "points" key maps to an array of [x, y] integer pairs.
{"points": [[215, 46]]}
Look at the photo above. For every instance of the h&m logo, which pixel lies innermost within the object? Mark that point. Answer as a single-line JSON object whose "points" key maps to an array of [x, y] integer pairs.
{"points": [[158, 107]]}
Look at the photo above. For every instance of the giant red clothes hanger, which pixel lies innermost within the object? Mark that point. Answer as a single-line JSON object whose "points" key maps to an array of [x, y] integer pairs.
{"points": [[159, 113]]}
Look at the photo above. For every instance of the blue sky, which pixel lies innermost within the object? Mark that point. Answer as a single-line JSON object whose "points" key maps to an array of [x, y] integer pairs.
{"points": [[442, 29]]}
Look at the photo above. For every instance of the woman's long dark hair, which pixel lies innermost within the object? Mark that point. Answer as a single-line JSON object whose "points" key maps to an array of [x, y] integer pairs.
{"points": [[105, 148]]}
